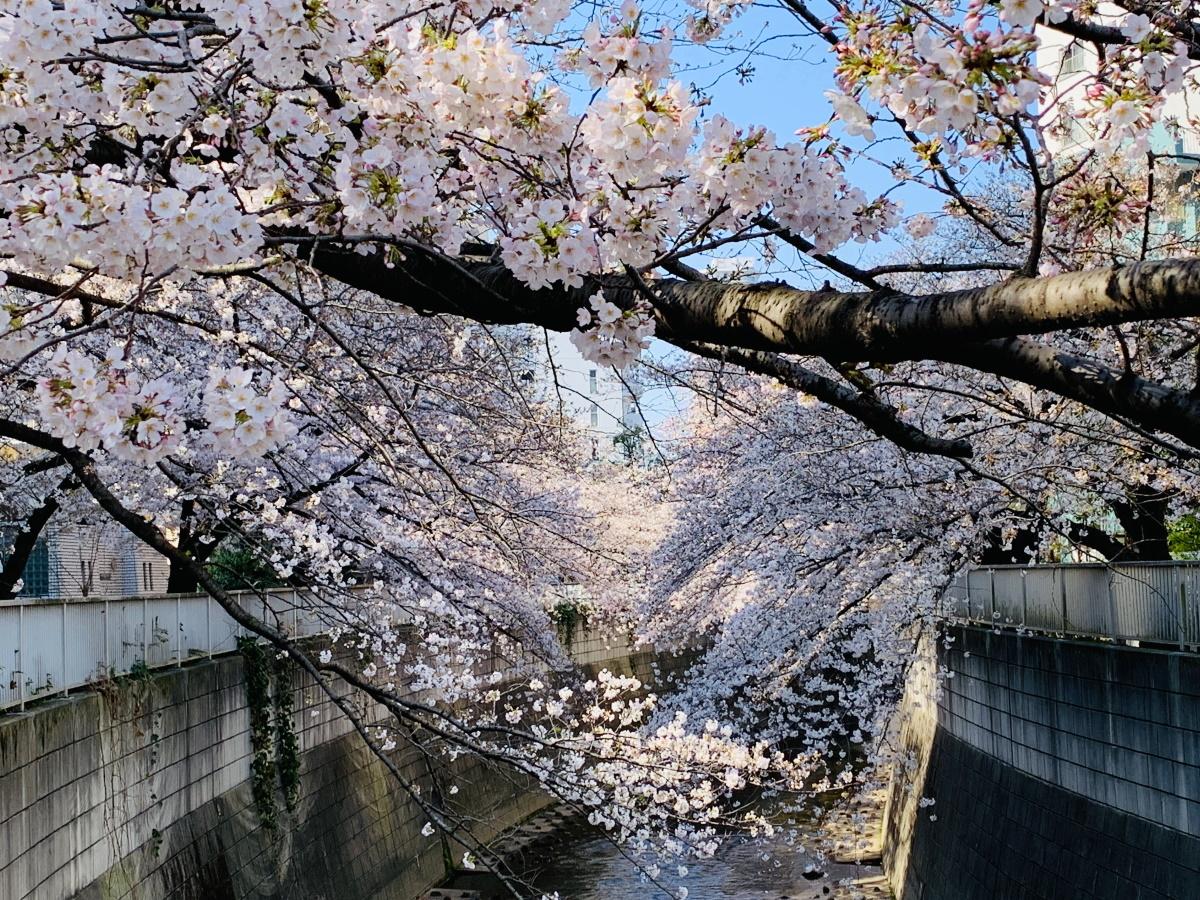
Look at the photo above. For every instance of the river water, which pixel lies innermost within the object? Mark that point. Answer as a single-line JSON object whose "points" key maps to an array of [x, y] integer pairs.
{"points": [[571, 859], [592, 869]]}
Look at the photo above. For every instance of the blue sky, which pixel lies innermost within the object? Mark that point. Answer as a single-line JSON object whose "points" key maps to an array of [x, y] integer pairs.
{"points": [[785, 91], [792, 70]]}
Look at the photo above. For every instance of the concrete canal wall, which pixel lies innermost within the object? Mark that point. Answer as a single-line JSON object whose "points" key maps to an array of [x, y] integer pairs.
{"points": [[142, 790], [1058, 768]]}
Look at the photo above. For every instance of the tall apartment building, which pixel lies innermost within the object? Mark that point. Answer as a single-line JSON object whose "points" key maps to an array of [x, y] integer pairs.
{"points": [[1068, 61], [601, 402]]}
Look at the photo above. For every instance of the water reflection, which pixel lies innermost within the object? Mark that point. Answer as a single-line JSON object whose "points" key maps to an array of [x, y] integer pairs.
{"points": [[565, 856], [592, 869]]}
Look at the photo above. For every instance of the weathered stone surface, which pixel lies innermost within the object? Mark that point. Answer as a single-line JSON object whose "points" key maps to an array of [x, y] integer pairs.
{"points": [[140, 791], [1058, 769]]}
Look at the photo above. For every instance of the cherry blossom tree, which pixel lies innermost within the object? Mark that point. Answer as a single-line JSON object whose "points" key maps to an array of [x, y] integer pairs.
{"points": [[274, 273]]}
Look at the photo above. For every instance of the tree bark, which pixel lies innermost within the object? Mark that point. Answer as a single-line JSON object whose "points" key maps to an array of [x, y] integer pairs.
{"points": [[26, 541], [979, 328], [1144, 517], [852, 326], [1111, 391]]}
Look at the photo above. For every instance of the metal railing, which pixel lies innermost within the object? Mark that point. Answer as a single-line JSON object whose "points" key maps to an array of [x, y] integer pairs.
{"points": [[1151, 602], [50, 647]]}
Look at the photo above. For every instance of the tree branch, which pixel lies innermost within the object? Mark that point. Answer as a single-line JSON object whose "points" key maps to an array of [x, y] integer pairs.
{"points": [[26, 540], [854, 326], [1108, 390], [875, 415]]}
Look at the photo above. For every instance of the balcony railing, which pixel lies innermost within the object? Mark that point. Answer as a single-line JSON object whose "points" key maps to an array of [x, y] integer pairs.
{"points": [[1146, 602]]}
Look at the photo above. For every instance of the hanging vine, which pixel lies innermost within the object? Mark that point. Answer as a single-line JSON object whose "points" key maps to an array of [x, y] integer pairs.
{"points": [[287, 747], [568, 616], [262, 743]]}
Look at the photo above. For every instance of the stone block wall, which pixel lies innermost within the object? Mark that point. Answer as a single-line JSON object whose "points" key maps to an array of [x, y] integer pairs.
{"points": [[141, 790], [1057, 768]]}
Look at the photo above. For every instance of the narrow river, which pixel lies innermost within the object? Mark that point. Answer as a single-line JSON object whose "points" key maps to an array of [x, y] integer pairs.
{"points": [[592, 869], [577, 864]]}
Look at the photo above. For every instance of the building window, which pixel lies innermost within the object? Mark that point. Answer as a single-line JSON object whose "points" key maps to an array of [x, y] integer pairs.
{"points": [[1074, 60], [595, 416], [147, 576], [36, 576], [592, 383]]}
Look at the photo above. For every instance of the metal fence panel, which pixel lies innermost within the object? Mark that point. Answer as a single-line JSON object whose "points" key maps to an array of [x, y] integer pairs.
{"points": [[956, 601], [225, 633], [41, 652], [979, 593], [11, 626], [193, 627], [1151, 602], [1086, 604], [1038, 599], [1146, 603], [1189, 577], [82, 631], [126, 631], [47, 648]]}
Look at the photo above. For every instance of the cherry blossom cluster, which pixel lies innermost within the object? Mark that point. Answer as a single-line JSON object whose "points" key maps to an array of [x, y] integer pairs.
{"points": [[621, 52], [609, 335], [712, 17], [242, 419], [441, 129], [89, 404], [657, 783], [939, 82], [1125, 100], [98, 219], [191, 170], [808, 191], [16, 337]]}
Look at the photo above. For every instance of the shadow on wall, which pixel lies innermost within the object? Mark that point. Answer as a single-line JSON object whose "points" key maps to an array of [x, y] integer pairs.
{"points": [[1057, 769]]}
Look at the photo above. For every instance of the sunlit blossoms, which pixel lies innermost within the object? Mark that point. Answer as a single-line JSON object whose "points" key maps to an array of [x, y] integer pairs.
{"points": [[90, 404], [277, 279], [243, 419], [610, 335]]}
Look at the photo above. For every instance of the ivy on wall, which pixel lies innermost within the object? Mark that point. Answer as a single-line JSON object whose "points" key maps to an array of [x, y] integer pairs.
{"points": [[569, 615], [287, 747], [275, 761]]}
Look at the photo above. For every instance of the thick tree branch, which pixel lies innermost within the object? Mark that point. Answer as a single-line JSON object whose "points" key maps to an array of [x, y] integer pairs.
{"points": [[877, 326], [1100, 33], [1108, 390], [26, 540], [977, 328]]}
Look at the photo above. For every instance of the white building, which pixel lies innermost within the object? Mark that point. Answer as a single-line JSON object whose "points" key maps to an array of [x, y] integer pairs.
{"points": [[600, 401], [82, 560], [1068, 62]]}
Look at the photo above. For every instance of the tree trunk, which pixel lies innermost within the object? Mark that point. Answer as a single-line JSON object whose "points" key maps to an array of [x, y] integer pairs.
{"points": [[1144, 518], [1022, 552], [23, 546]]}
